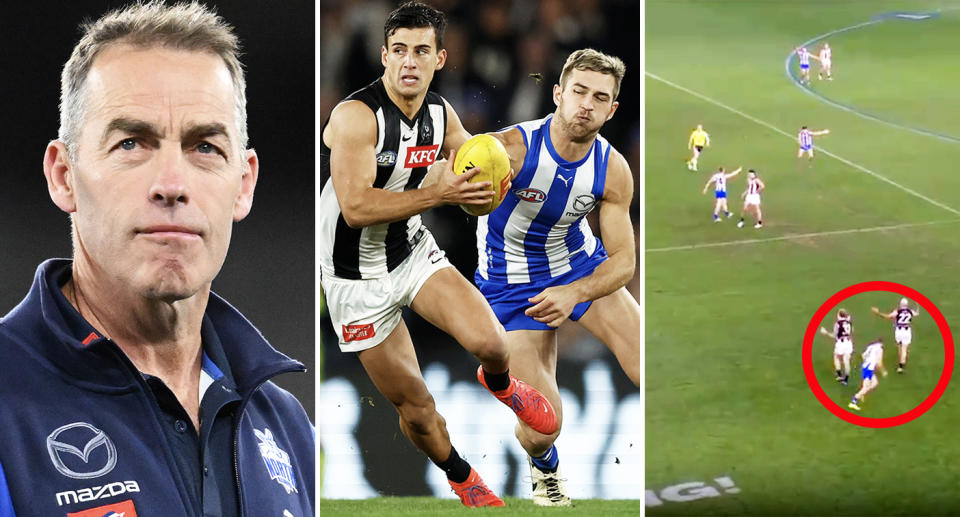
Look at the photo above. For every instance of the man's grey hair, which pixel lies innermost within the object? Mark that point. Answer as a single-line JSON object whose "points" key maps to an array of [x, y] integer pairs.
{"points": [[182, 26]]}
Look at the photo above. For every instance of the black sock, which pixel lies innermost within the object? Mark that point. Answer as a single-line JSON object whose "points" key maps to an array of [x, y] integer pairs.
{"points": [[846, 378], [457, 469], [901, 365], [497, 381], [838, 373]]}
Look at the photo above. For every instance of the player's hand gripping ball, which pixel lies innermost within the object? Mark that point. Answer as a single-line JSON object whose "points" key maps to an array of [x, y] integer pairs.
{"points": [[488, 153]]}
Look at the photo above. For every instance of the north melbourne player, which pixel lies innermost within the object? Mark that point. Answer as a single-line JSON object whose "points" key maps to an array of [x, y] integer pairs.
{"points": [[376, 256], [751, 199], [843, 345], [539, 262], [805, 140], [719, 180], [902, 317], [698, 140], [872, 361], [804, 55]]}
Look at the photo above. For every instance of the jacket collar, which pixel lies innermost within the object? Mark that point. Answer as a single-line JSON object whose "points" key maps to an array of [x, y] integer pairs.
{"points": [[52, 329]]}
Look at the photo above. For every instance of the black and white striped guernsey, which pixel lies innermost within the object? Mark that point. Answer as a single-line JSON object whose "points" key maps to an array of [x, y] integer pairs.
{"points": [[405, 149]]}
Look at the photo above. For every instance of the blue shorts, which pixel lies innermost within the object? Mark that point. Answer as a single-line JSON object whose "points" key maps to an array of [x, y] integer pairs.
{"points": [[806, 147], [867, 374], [721, 194], [804, 67], [509, 301]]}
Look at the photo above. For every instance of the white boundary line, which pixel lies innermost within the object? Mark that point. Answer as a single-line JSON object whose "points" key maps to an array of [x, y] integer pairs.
{"points": [[788, 135], [798, 236]]}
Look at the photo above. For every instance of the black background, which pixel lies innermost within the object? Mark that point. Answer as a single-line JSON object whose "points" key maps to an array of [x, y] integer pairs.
{"points": [[269, 271]]}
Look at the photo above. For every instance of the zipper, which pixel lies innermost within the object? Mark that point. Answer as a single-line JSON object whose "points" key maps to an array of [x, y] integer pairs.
{"points": [[236, 428]]}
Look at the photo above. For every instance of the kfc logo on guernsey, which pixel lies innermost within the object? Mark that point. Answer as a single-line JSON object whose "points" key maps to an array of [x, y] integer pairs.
{"points": [[357, 332], [421, 156], [121, 509]]}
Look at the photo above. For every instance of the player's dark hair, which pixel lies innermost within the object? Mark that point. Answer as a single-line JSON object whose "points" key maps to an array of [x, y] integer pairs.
{"points": [[751, 170], [803, 127], [415, 15]]}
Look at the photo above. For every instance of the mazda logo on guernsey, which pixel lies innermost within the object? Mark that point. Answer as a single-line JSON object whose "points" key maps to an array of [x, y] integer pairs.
{"points": [[584, 203], [81, 451], [531, 195]]}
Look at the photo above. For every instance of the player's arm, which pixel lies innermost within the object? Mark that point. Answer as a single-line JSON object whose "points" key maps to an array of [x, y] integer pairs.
{"points": [[705, 187], [821, 132], [887, 315], [762, 184], [516, 146], [826, 333], [706, 137], [554, 304], [351, 136], [734, 173], [453, 139]]}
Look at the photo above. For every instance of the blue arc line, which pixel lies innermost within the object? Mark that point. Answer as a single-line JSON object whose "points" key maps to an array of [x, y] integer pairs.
{"points": [[788, 69]]}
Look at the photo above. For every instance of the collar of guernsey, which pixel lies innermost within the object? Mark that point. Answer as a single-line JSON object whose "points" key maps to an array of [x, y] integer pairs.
{"points": [[233, 347]]}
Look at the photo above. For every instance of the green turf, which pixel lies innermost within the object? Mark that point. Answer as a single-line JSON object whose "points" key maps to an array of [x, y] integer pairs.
{"points": [[417, 506], [725, 389]]}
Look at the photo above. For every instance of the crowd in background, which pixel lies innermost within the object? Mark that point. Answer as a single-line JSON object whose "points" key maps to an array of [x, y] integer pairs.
{"points": [[503, 58]]}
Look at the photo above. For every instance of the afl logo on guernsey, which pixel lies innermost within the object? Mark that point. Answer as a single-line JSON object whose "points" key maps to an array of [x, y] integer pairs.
{"points": [[386, 159], [531, 195], [421, 156]]}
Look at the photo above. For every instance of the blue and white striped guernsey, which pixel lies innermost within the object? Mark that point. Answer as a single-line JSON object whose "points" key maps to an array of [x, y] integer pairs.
{"points": [[539, 232], [805, 138]]}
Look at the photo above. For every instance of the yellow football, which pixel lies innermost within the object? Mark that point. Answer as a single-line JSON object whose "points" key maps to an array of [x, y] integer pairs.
{"points": [[488, 153]]}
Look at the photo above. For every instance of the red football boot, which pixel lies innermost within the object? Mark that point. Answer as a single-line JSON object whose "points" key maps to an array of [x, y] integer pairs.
{"points": [[531, 407], [474, 492]]}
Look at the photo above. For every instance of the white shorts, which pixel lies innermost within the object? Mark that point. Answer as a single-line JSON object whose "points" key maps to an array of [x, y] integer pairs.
{"points": [[752, 199], [843, 347], [825, 63], [903, 336], [365, 312]]}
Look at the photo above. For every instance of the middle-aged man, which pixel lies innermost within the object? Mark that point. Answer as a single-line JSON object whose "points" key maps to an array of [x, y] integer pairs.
{"points": [[128, 387]]}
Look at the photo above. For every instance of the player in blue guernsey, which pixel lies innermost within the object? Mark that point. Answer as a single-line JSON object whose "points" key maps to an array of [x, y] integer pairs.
{"points": [[539, 262], [719, 180], [805, 141], [804, 55]]}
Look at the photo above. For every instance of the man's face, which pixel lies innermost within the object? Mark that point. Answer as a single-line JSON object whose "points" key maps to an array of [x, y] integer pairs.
{"points": [[584, 103], [159, 177], [410, 59]]}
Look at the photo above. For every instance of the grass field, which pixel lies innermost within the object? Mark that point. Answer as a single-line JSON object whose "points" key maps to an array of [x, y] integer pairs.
{"points": [[418, 506], [726, 308]]}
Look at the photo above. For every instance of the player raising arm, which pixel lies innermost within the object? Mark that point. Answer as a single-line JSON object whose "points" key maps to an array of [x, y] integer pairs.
{"points": [[805, 140], [902, 317], [698, 140], [719, 180], [843, 345], [804, 56]]}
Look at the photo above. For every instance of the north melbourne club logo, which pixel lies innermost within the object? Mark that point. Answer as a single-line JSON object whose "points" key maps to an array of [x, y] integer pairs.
{"points": [[277, 460], [81, 451]]}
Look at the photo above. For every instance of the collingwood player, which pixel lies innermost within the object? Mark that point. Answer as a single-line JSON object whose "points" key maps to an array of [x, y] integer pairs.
{"points": [[751, 199], [376, 256], [902, 317], [843, 345]]}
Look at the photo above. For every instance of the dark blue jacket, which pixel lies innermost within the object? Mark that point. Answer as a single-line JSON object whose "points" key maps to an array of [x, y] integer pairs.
{"points": [[80, 429]]}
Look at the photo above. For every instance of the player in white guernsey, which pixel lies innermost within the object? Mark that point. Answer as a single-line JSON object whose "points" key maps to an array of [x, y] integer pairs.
{"points": [[872, 361], [376, 257], [803, 55], [843, 345], [751, 199], [826, 62], [805, 141], [902, 318], [539, 262], [719, 180]]}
